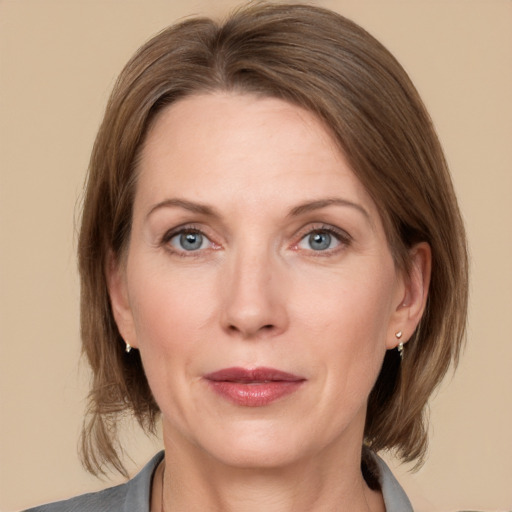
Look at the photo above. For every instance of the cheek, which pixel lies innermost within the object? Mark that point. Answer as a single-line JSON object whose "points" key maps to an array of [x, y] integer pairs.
{"points": [[348, 317], [169, 313], [168, 305], [357, 303]]}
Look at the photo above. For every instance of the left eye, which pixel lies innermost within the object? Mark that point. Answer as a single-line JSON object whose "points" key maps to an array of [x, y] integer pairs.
{"points": [[319, 240], [189, 241]]}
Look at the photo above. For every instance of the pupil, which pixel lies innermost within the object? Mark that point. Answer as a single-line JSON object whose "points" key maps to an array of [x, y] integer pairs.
{"points": [[191, 241], [320, 241]]}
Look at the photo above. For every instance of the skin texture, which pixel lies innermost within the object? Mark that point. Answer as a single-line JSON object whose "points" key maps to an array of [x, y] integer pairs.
{"points": [[252, 181]]}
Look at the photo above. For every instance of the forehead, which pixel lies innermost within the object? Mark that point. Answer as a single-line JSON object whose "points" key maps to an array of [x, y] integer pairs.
{"points": [[206, 119], [217, 145]]}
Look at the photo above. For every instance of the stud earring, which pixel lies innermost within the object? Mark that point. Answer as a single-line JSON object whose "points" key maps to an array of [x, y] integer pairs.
{"points": [[400, 347], [128, 348]]}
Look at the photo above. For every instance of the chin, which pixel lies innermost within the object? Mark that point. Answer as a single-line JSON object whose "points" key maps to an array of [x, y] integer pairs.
{"points": [[258, 456], [254, 446]]}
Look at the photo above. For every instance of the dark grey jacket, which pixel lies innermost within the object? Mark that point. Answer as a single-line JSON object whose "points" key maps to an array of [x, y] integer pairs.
{"points": [[133, 496]]}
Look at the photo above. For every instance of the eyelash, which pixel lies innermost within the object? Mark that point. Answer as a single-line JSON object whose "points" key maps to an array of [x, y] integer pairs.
{"points": [[184, 230], [341, 236]]}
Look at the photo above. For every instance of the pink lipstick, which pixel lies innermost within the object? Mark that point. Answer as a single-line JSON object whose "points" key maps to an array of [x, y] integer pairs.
{"points": [[253, 388]]}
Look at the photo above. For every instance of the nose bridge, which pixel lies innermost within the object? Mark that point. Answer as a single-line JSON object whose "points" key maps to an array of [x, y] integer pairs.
{"points": [[253, 301]]}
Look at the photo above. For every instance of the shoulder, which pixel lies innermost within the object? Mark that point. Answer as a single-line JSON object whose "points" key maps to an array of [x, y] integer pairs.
{"points": [[394, 496], [112, 498], [133, 495]]}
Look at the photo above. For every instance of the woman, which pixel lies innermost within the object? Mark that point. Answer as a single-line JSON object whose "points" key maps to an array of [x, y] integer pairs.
{"points": [[272, 258]]}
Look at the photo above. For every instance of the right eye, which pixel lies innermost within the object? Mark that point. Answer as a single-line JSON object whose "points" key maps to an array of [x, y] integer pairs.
{"points": [[188, 240]]}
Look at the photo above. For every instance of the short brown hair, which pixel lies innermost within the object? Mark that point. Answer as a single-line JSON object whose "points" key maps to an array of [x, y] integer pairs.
{"points": [[319, 60]]}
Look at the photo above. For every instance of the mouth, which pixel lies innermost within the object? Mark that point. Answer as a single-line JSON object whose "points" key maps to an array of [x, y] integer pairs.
{"points": [[253, 387]]}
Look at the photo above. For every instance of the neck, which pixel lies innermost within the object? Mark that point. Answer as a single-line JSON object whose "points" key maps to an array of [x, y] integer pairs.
{"points": [[327, 482]]}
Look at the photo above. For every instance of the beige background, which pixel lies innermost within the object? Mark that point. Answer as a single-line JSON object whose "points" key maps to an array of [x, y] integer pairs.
{"points": [[58, 63]]}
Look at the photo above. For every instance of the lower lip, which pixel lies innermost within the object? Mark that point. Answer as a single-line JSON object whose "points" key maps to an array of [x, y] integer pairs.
{"points": [[254, 394]]}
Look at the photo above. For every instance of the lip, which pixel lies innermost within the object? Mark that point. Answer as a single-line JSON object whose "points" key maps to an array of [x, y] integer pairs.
{"points": [[253, 387]]}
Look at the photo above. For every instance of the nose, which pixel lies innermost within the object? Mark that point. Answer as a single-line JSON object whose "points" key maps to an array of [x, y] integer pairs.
{"points": [[254, 290]]}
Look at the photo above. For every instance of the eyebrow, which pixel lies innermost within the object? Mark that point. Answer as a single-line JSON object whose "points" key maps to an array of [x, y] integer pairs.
{"points": [[301, 209], [323, 203], [202, 209]]}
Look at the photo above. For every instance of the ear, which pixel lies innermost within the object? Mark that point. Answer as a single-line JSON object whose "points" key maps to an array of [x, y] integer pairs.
{"points": [[119, 299], [412, 297]]}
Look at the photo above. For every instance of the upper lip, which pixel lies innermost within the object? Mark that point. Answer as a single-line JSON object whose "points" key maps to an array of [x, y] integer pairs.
{"points": [[245, 375]]}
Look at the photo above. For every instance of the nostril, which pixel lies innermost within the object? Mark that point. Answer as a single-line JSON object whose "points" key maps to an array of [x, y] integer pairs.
{"points": [[264, 328]]}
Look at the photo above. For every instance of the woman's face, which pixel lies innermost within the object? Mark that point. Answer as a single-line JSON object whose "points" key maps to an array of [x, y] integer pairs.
{"points": [[258, 284]]}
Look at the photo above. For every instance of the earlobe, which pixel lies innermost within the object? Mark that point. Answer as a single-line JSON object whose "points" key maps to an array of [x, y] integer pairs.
{"points": [[413, 301], [119, 300]]}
